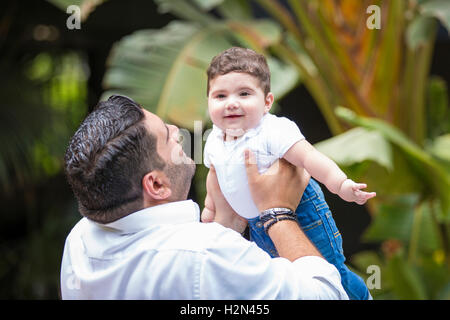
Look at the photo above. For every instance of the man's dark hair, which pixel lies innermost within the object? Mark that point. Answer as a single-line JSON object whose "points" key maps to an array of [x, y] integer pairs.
{"points": [[107, 158], [243, 60]]}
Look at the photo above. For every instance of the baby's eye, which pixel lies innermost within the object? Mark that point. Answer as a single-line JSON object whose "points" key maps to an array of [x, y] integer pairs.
{"points": [[220, 96], [244, 93]]}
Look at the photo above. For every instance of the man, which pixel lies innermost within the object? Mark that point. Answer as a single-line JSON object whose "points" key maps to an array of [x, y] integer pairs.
{"points": [[141, 239]]}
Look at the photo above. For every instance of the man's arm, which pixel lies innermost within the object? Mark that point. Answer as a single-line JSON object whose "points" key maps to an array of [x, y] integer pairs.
{"points": [[209, 211], [281, 186]]}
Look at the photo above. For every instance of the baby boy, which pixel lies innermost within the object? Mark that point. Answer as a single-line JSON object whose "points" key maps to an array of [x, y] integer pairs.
{"points": [[239, 100]]}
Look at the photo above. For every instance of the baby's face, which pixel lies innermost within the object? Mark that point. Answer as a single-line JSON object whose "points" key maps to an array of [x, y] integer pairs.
{"points": [[237, 103]]}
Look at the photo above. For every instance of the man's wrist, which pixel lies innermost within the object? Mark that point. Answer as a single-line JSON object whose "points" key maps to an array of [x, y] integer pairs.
{"points": [[271, 216], [266, 214], [270, 223]]}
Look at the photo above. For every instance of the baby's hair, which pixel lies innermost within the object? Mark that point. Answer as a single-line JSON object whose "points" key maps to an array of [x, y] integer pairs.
{"points": [[243, 60]]}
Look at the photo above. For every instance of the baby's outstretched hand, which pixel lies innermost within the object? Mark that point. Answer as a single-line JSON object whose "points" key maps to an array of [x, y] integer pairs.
{"points": [[351, 191]]}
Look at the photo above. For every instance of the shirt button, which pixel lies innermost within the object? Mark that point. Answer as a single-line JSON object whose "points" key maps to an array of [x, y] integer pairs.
{"points": [[259, 224]]}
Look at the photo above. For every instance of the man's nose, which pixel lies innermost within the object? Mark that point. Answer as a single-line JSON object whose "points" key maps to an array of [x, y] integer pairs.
{"points": [[173, 130]]}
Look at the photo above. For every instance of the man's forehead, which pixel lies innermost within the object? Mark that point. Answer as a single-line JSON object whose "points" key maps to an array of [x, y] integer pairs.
{"points": [[156, 126], [152, 119]]}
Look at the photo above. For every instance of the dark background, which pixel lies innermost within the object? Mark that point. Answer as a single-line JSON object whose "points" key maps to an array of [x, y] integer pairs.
{"points": [[37, 213]]}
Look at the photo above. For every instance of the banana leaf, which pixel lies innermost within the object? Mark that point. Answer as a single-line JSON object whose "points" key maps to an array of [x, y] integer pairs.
{"points": [[441, 149], [405, 279], [404, 219], [366, 156], [439, 9], [431, 176]]}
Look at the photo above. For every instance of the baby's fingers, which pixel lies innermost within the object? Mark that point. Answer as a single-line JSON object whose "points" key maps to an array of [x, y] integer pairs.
{"points": [[362, 196], [359, 186], [207, 215]]}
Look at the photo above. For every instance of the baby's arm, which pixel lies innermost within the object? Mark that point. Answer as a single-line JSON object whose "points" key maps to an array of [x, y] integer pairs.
{"points": [[209, 211], [323, 169], [217, 209]]}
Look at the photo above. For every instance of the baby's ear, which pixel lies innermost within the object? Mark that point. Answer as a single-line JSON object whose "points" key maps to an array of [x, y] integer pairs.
{"points": [[268, 102]]}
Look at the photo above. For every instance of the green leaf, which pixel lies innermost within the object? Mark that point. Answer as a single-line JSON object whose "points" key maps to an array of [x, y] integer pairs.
{"points": [[404, 279], [393, 220], [439, 9], [207, 4], [441, 148], [435, 271], [258, 34], [437, 111], [283, 77], [364, 259], [367, 156], [420, 31], [236, 9], [444, 294], [433, 178], [424, 233], [408, 221], [185, 9], [357, 145]]}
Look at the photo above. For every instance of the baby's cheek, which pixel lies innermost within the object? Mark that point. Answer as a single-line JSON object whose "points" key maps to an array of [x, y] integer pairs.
{"points": [[215, 116]]}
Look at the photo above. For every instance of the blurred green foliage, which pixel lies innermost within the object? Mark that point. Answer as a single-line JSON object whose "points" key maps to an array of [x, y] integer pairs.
{"points": [[45, 100]]}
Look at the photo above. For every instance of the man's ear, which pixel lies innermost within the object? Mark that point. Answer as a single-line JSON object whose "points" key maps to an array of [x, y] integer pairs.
{"points": [[268, 102], [156, 186]]}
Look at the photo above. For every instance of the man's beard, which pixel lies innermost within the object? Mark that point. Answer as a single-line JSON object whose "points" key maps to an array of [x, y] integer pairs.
{"points": [[180, 176]]}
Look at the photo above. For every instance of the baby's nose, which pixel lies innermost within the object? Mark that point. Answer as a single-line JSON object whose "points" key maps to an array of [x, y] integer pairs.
{"points": [[233, 104]]}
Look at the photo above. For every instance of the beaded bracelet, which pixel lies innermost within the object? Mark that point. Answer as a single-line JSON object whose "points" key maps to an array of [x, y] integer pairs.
{"points": [[270, 214], [276, 219]]}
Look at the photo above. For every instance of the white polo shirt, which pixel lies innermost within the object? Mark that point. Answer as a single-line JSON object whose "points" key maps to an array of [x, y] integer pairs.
{"points": [[164, 252], [269, 141]]}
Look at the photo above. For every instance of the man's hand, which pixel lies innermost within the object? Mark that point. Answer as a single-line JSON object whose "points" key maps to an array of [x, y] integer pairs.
{"points": [[223, 213], [351, 191], [282, 185]]}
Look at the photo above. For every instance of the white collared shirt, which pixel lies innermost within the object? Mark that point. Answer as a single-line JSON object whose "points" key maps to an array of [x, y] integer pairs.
{"points": [[164, 252], [269, 141]]}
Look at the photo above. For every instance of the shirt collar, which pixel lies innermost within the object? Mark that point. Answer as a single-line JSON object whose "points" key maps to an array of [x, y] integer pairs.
{"points": [[217, 132], [169, 213]]}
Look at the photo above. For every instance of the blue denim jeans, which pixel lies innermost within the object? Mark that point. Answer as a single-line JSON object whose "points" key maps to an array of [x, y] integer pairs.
{"points": [[314, 217]]}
